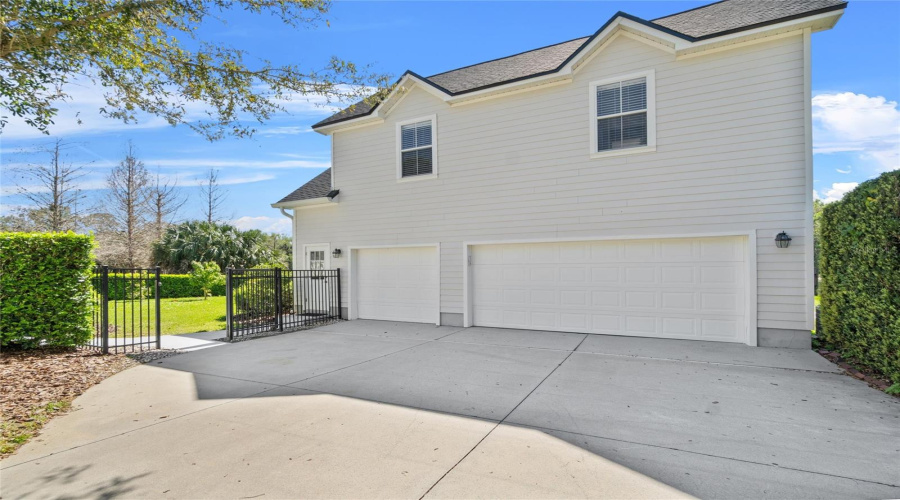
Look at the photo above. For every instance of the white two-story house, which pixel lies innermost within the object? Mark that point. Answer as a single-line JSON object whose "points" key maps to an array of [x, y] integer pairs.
{"points": [[632, 182]]}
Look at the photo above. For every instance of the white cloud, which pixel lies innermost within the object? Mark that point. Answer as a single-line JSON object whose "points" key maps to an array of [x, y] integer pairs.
{"points": [[204, 163], [267, 224], [275, 131], [867, 126], [80, 113], [835, 192], [11, 208], [301, 157], [219, 163], [849, 169], [84, 185], [230, 181]]}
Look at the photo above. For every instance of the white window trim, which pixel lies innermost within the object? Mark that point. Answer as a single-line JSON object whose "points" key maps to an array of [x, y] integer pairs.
{"points": [[434, 149], [310, 247], [650, 75]]}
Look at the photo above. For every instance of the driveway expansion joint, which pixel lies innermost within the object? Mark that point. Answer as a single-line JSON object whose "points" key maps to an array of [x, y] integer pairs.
{"points": [[498, 424], [702, 362], [710, 455]]}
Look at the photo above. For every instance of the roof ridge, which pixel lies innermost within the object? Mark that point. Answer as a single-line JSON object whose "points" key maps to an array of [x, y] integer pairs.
{"points": [[672, 26], [689, 10], [509, 56]]}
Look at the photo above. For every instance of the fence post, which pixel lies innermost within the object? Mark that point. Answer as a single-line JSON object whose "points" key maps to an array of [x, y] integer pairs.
{"points": [[158, 317], [279, 321], [339, 311], [104, 309], [229, 308]]}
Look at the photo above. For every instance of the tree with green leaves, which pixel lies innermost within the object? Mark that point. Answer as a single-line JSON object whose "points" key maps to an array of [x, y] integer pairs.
{"points": [[206, 276], [148, 57], [201, 241], [818, 208], [280, 248]]}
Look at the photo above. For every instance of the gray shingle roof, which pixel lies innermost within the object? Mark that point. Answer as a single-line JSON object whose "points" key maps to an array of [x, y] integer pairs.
{"points": [[317, 187], [508, 68], [718, 18], [708, 21]]}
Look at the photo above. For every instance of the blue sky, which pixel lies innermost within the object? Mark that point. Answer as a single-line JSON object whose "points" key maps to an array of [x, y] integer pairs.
{"points": [[856, 86]]}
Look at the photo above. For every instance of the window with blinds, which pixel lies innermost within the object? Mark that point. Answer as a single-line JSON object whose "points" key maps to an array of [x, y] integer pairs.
{"points": [[622, 114], [417, 149]]}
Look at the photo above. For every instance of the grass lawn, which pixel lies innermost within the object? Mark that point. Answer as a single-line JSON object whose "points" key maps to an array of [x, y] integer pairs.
{"points": [[185, 315]]}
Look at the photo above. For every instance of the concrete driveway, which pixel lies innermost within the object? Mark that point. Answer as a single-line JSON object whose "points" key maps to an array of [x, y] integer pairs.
{"points": [[397, 410]]}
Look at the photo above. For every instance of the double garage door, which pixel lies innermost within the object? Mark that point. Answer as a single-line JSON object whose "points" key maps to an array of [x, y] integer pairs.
{"points": [[671, 288], [686, 288]]}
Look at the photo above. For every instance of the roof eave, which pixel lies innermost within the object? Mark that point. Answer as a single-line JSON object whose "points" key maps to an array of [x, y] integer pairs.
{"points": [[679, 43], [309, 202], [823, 20]]}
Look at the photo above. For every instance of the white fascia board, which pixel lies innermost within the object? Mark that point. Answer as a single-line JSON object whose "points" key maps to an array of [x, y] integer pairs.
{"points": [[362, 121], [818, 22], [407, 83], [638, 31], [304, 203]]}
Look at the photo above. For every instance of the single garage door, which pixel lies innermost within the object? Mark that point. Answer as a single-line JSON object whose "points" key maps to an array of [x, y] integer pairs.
{"points": [[397, 284], [673, 288]]}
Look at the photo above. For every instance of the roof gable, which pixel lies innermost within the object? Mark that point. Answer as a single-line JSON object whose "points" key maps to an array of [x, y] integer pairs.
{"points": [[507, 68], [695, 25]]}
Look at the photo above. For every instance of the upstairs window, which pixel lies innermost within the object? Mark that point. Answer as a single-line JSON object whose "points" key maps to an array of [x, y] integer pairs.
{"points": [[623, 115], [416, 154]]}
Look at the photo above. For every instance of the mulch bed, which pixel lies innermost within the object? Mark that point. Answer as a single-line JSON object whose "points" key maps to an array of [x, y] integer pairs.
{"points": [[873, 379], [40, 383]]}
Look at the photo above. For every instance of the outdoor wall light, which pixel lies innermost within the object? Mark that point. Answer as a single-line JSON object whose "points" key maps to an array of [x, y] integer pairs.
{"points": [[336, 253], [782, 240]]}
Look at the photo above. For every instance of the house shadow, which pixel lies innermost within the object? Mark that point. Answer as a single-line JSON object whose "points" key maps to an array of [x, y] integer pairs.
{"points": [[409, 370]]}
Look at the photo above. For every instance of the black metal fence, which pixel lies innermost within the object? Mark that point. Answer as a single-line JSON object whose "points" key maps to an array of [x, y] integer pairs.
{"points": [[126, 316], [260, 301]]}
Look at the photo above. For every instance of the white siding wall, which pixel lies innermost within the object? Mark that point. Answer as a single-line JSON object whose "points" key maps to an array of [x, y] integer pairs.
{"points": [[730, 157]]}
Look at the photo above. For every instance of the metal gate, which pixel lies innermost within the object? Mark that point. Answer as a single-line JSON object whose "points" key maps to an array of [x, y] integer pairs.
{"points": [[126, 316], [260, 301]]}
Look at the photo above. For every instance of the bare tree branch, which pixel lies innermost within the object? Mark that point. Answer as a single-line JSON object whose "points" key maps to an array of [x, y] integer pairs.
{"points": [[53, 191], [165, 202], [129, 202], [213, 196]]}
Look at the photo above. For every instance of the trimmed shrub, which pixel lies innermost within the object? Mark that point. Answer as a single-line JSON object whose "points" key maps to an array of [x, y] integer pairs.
{"points": [[172, 286], [860, 268], [205, 276], [45, 291], [256, 297]]}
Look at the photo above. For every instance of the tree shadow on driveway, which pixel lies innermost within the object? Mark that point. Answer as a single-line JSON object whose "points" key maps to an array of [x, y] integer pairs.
{"points": [[525, 407]]}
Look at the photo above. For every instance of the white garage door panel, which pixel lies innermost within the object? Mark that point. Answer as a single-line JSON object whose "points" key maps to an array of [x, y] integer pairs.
{"points": [[675, 288], [397, 284]]}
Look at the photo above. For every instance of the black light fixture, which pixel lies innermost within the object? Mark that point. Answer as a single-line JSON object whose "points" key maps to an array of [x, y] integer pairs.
{"points": [[782, 240], [336, 253]]}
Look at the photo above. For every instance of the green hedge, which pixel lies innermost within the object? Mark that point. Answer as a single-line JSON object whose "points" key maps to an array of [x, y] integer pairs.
{"points": [[45, 294], [172, 286], [860, 269]]}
